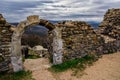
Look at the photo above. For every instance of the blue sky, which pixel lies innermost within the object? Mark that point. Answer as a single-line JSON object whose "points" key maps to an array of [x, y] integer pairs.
{"points": [[82, 10]]}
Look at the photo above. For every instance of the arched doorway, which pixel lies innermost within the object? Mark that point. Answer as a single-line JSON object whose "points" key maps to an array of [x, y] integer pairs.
{"points": [[16, 54]]}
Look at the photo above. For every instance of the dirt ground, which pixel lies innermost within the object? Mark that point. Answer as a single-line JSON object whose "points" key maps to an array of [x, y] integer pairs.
{"points": [[106, 68]]}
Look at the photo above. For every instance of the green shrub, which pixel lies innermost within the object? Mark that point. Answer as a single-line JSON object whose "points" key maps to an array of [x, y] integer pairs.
{"points": [[32, 57]]}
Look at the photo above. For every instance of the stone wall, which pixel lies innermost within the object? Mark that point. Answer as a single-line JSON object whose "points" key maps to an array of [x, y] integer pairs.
{"points": [[110, 27], [79, 39], [111, 24], [5, 40]]}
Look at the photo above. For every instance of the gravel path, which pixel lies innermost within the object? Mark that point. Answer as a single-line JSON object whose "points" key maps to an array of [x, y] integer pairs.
{"points": [[106, 68], [39, 68]]}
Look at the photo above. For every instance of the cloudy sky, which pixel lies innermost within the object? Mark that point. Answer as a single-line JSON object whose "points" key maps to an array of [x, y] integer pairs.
{"points": [[83, 10]]}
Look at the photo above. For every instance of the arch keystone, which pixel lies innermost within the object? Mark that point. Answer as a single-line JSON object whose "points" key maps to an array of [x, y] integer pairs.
{"points": [[33, 18]]}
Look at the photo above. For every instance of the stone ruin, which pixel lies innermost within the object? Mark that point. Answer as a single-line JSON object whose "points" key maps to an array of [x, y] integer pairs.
{"points": [[79, 39], [5, 40], [69, 39], [110, 27], [40, 51]]}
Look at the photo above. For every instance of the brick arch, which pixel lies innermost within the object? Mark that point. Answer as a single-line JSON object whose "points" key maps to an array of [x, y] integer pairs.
{"points": [[16, 55]]}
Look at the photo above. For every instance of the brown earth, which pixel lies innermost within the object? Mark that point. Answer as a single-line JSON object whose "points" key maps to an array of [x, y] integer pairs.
{"points": [[106, 68]]}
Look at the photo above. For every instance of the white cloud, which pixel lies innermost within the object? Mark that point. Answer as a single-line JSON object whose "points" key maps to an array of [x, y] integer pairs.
{"points": [[85, 10], [20, 0]]}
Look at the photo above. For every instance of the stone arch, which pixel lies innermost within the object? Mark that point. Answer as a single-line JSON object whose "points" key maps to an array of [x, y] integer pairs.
{"points": [[16, 56]]}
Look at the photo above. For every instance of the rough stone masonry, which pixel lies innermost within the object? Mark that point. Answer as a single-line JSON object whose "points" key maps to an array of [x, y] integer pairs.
{"points": [[79, 39], [5, 42], [110, 27]]}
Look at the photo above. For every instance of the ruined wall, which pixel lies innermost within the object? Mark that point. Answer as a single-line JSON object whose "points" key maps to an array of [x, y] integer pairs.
{"points": [[110, 25], [79, 39], [5, 41]]}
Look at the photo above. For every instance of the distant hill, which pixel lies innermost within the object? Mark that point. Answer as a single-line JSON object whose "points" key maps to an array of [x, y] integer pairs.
{"points": [[14, 24], [94, 24]]}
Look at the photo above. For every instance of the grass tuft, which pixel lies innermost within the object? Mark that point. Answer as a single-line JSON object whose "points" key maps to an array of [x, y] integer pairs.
{"points": [[21, 75], [80, 64]]}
